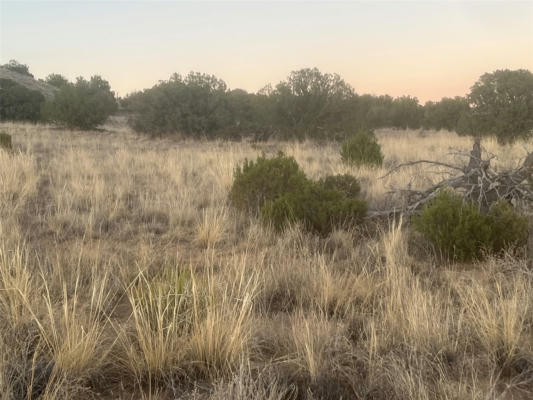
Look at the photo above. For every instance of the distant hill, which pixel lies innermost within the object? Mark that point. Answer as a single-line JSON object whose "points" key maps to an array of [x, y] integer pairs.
{"points": [[28, 82]]}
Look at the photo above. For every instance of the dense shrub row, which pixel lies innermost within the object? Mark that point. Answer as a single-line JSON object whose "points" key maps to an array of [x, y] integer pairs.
{"points": [[308, 104], [198, 105], [84, 104], [278, 190], [323, 106], [445, 114]]}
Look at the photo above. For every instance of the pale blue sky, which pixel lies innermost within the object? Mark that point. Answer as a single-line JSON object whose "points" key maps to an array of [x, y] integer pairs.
{"points": [[426, 49]]}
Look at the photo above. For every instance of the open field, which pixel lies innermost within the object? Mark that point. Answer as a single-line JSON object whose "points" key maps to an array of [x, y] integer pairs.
{"points": [[124, 274]]}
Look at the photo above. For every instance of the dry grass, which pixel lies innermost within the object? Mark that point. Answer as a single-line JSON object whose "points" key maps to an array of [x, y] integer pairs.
{"points": [[124, 274]]}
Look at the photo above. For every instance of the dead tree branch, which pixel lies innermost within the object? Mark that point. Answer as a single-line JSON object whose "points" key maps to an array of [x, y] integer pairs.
{"points": [[411, 163], [477, 182]]}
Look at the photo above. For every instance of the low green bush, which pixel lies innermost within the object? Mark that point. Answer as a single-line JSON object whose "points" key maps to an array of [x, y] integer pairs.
{"points": [[279, 190], [265, 179], [319, 208], [456, 228], [461, 232], [5, 141], [362, 149], [348, 185], [509, 229], [283, 211]]}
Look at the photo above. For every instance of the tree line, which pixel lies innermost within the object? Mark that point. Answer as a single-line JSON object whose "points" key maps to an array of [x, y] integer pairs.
{"points": [[83, 104], [307, 104]]}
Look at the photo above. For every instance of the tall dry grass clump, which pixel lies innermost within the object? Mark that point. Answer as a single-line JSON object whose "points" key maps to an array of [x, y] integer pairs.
{"points": [[497, 313], [162, 311]]}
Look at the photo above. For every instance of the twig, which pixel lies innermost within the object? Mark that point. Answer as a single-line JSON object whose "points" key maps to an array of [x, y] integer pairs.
{"points": [[411, 163]]}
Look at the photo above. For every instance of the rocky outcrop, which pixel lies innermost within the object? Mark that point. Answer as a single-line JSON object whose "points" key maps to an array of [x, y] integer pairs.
{"points": [[28, 82]]}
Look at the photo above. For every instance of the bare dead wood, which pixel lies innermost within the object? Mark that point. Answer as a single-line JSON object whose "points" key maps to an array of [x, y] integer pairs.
{"points": [[475, 156], [477, 182], [411, 163]]}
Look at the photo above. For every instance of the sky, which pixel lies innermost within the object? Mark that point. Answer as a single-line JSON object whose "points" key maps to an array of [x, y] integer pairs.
{"points": [[427, 49]]}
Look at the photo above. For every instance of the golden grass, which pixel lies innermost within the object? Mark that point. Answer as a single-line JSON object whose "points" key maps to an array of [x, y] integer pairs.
{"points": [[15, 286], [125, 274], [497, 315], [162, 311]]}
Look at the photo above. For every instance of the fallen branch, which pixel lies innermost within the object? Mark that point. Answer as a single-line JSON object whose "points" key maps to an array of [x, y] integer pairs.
{"points": [[477, 183], [411, 163]]}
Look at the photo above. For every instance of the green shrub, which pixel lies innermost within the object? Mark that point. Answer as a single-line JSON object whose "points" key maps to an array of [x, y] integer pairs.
{"points": [[283, 211], [457, 229], [83, 105], [5, 141], [265, 179], [501, 105], [460, 231], [280, 191], [347, 184], [508, 227], [362, 149], [18, 103], [319, 208]]}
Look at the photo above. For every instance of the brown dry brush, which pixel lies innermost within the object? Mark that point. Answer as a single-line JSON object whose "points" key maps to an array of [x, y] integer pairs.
{"points": [[476, 181]]}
